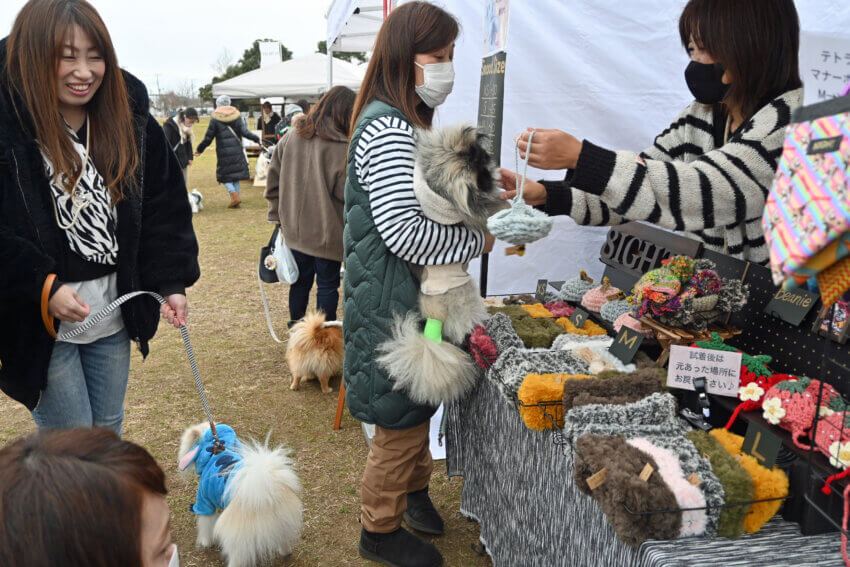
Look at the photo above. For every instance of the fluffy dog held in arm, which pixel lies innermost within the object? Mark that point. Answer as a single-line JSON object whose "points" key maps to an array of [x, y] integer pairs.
{"points": [[456, 182]]}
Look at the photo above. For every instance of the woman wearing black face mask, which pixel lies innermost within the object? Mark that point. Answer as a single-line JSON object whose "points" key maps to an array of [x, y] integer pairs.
{"points": [[708, 173]]}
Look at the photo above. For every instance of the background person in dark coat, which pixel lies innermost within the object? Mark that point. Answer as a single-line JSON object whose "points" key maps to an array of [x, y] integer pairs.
{"points": [[227, 129], [178, 132], [131, 190], [267, 123]]}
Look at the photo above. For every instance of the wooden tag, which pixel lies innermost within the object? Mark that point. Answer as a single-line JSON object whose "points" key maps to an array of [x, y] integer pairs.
{"points": [[597, 480], [694, 479], [646, 472], [515, 250], [706, 456]]}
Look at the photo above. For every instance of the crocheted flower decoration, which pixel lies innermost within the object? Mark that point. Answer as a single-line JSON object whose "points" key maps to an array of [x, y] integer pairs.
{"points": [[751, 392], [773, 411], [839, 455]]}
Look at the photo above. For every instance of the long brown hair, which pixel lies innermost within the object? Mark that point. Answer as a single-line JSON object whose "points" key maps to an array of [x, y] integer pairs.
{"points": [[756, 41], [415, 27], [74, 497], [329, 117], [33, 50]]}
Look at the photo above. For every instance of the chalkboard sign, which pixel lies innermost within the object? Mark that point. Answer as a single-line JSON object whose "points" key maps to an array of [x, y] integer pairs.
{"points": [[491, 97], [626, 344], [761, 444], [540, 294], [791, 305], [578, 318]]}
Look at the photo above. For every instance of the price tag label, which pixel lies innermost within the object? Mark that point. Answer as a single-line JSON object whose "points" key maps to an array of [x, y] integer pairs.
{"points": [[721, 369], [762, 445], [791, 305], [578, 318], [540, 294], [626, 344]]}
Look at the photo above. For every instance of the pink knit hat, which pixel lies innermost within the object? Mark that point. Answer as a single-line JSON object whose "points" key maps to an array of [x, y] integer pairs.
{"points": [[594, 299], [791, 404], [628, 321]]}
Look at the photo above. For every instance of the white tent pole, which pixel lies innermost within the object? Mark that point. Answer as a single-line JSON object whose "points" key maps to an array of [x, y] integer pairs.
{"points": [[330, 67]]}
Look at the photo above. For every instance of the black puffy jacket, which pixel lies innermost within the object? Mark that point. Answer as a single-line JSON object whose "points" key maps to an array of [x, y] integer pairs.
{"points": [[183, 150], [227, 129], [157, 249]]}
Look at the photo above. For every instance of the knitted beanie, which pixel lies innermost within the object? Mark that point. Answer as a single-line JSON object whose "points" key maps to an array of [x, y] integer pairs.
{"points": [[589, 328], [791, 404], [689, 498], [570, 341], [653, 415], [751, 391], [500, 329], [626, 320], [514, 364], [560, 309], [547, 389], [623, 488], [537, 310], [512, 311], [630, 387], [521, 299], [833, 435], [482, 347], [595, 298], [737, 483], [695, 466], [767, 483], [573, 290], [537, 333], [613, 309]]}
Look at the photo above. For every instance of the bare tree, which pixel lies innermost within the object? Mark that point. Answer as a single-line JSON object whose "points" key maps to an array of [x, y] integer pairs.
{"points": [[225, 60]]}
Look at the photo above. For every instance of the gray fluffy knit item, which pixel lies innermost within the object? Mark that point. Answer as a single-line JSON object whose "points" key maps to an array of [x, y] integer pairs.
{"points": [[618, 389], [613, 309], [653, 415], [500, 329], [574, 289], [692, 462], [514, 364]]}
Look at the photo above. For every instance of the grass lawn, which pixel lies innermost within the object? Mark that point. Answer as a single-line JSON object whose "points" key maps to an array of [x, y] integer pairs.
{"points": [[247, 382]]}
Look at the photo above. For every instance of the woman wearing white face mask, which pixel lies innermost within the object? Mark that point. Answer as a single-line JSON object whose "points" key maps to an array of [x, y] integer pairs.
{"points": [[409, 74]]}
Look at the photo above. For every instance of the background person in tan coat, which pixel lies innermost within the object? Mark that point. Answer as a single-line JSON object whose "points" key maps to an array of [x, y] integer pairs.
{"points": [[305, 189]]}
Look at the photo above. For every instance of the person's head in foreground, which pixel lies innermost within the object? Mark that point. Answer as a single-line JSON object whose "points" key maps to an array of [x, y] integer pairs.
{"points": [[82, 498]]}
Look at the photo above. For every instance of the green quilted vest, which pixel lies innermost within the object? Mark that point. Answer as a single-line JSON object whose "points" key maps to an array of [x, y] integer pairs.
{"points": [[377, 285]]}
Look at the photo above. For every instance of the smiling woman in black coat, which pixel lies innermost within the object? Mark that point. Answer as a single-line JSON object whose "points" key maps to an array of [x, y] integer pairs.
{"points": [[227, 129], [71, 243]]}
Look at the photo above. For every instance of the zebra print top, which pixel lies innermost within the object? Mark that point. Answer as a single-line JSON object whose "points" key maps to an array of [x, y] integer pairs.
{"points": [[686, 181], [384, 160], [87, 216]]}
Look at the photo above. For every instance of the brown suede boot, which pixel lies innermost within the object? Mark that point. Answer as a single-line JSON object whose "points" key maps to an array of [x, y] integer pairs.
{"points": [[234, 200]]}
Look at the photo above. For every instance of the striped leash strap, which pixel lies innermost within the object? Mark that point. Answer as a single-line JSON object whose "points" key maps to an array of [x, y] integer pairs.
{"points": [[98, 317]]}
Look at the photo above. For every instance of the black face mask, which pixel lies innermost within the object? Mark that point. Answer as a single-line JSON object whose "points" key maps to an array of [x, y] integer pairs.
{"points": [[705, 82]]}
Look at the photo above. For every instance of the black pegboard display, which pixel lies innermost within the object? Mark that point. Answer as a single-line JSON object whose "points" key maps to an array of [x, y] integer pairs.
{"points": [[795, 350]]}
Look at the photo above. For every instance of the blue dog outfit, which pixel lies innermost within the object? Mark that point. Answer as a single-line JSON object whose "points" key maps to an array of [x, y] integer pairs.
{"points": [[215, 470]]}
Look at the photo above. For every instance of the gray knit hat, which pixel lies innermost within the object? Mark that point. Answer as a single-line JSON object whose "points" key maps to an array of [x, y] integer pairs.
{"points": [[613, 309]]}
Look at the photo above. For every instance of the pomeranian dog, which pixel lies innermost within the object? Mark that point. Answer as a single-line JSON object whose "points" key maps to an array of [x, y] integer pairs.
{"points": [[248, 495], [315, 350]]}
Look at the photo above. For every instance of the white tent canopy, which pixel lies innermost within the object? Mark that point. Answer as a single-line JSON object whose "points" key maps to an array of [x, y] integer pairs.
{"points": [[300, 77], [353, 24]]}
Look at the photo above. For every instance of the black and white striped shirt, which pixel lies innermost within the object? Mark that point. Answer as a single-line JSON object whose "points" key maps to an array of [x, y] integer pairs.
{"points": [[686, 181], [384, 160]]}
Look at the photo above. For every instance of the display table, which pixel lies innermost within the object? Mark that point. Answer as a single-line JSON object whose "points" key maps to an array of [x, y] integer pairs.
{"points": [[519, 486]]}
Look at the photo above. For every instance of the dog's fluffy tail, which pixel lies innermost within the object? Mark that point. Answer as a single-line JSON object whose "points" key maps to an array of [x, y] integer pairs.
{"points": [[263, 517], [303, 333], [427, 371]]}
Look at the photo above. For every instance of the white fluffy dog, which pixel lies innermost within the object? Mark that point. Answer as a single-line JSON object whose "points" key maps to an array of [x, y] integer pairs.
{"points": [[248, 495]]}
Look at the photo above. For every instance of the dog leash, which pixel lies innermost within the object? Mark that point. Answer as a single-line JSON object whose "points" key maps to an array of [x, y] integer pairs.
{"points": [[266, 309], [98, 317]]}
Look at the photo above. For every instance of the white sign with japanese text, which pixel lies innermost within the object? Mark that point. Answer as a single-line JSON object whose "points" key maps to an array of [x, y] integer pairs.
{"points": [[721, 369], [824, 65]]}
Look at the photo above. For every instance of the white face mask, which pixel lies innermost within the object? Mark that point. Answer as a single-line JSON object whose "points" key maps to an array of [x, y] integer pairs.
{"points": [[175, 558], [439, 80]]}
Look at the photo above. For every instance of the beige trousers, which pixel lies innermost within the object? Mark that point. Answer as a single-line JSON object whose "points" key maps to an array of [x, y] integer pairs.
{"points": [[399, 462]]}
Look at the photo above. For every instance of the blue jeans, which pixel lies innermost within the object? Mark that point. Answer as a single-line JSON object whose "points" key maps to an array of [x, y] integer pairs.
{"points": [[326, 274], [86, 385], [232, 187]]}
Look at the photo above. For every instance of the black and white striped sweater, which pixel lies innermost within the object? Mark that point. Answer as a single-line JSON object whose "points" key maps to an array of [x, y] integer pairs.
{"points": [[685, 181], [384, 160]]}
